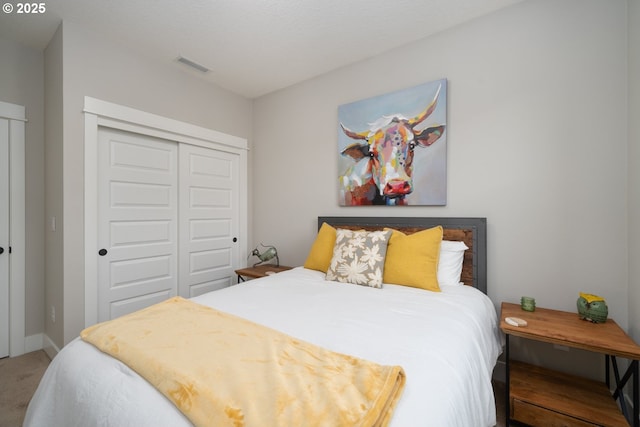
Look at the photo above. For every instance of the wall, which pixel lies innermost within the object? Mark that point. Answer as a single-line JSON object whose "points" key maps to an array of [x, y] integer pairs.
{"points": [[93, 66], [22, 83], [634, 168], [54, 243], [537, 143]]}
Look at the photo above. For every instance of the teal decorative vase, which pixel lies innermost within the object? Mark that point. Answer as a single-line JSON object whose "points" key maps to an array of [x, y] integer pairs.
{"points": [[592, 308]]}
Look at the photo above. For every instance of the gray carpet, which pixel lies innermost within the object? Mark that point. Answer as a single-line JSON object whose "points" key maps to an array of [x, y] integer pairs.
{"points": [[499, 393], [19, 378]]}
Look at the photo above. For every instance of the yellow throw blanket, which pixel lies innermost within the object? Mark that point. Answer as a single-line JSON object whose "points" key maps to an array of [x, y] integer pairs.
{"points": [[222, 370]]}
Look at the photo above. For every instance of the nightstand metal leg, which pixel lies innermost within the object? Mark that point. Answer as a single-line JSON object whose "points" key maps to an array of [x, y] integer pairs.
{"points": [[636, 397], [507, 405], [618, 394], [607, 375]]}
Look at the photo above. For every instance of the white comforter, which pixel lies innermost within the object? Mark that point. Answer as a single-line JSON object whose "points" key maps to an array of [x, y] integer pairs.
{"points": [[446, 342]]}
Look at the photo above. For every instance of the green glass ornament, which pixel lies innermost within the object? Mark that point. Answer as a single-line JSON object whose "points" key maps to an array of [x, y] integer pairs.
{"points": [[595, 311]]}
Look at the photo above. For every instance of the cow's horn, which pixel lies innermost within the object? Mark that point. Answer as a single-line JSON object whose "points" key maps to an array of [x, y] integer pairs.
{"points": [[354, 135], [427, 111]]}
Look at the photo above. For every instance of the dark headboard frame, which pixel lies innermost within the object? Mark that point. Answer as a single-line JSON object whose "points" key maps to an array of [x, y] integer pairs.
{"points": [[473, 231]]}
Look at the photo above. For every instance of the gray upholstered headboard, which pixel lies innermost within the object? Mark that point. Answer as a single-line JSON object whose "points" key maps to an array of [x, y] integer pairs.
{"points": [[472, 231]]}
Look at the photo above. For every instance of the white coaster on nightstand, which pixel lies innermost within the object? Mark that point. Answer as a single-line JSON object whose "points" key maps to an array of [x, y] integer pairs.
{"points": [[515, 321]]}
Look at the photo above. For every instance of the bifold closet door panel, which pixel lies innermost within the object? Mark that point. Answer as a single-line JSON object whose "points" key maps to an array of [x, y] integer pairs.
{"points": [[137, 221], [4, 238], [209, 219]]}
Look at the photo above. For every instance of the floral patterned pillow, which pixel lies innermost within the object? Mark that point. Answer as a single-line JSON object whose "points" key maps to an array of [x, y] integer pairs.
{"points": [[358, 257]]}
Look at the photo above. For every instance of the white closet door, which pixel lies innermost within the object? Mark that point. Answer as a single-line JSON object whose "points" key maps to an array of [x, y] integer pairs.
{"points": [[4, 238], [209, 219], [137, 221]]}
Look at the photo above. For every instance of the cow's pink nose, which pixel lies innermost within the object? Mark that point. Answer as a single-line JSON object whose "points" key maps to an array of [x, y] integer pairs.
{"points": [[397, 187]]}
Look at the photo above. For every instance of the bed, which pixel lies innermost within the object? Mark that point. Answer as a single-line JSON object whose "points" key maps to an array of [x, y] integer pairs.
{"points": [[446, 342]]}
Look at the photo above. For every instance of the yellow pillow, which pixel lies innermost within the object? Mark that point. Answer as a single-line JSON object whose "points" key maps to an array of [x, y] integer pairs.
{"points": [[321, 251], [412, 259]]}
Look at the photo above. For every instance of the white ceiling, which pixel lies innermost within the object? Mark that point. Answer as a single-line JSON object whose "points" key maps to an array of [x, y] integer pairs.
{"points": [[252, 47]]}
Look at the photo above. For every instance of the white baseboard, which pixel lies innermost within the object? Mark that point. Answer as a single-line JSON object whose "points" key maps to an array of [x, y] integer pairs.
{"points": [[37, 342], [33, 343], [50, 347]]}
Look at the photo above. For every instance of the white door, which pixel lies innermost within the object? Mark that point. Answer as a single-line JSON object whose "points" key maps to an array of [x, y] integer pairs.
{"points": [[4, 238], [12, 229], [137, 221], [209, 219]]}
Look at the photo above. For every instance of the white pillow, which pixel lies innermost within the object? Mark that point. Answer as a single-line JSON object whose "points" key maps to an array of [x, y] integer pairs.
{"points": [[450, 263]]}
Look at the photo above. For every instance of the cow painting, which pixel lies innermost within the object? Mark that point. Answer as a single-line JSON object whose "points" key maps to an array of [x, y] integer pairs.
{"points": [[383, 157]]}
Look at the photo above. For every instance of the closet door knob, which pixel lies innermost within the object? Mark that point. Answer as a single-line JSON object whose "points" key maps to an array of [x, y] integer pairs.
{"points": [[1, 250], [235, 239], [102, 252]]}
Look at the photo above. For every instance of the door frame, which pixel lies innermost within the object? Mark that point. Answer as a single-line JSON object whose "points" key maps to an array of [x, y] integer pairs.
{"points": [[17, 239], [99, 113]]}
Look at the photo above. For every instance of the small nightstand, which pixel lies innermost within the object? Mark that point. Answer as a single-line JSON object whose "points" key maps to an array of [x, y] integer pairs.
{"points": [[539, 396], [259, 271]]}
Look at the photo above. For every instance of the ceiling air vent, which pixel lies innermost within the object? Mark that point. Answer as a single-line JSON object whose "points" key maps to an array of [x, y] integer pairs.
{"points": [[192, 64]]}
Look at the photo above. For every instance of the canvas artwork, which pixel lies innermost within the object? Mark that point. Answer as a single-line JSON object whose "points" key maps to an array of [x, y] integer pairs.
{"points": [[393, 148]]}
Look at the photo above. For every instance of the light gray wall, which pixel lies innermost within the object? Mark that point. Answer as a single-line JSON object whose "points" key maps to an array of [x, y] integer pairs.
{"points": [[93, 66], [54, 243], [22, 83], [537, 143], [634, 168]]}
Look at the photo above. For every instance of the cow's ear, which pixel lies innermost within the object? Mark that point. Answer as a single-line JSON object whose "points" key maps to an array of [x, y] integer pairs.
{"points": [[429, 135], [356, 151]]}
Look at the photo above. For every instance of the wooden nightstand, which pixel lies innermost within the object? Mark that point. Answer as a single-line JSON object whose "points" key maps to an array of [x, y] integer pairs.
{"points": [[259, 271], [539, 396]]}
